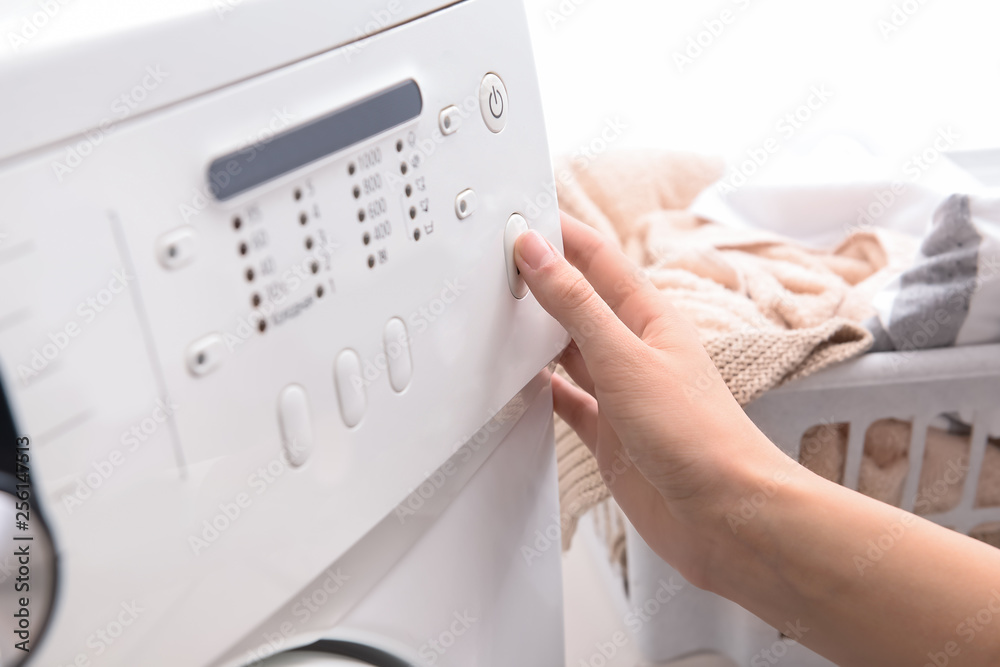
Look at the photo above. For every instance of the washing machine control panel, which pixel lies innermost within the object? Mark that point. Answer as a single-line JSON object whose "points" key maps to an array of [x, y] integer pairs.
{"points": [[246, 327]]}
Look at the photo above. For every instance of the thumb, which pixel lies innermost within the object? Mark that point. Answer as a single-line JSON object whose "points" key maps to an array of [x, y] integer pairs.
{"points": [[563, 291]]}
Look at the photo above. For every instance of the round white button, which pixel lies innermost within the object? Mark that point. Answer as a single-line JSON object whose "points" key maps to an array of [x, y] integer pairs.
{"points": [[493, 103], [516, 226]]}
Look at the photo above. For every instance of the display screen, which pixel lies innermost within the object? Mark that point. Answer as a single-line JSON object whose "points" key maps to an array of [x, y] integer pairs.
{"points": [[246, 169]]}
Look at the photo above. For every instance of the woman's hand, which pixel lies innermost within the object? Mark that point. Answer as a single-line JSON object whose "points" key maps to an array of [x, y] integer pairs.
{"points": [[680, 457], [671, 441]]}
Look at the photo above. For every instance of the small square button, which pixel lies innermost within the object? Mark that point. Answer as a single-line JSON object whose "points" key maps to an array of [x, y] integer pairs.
{"points": [[449, 120]]}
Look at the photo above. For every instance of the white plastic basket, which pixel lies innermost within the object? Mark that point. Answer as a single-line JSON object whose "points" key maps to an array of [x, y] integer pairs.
{"points": [[915, 387]]}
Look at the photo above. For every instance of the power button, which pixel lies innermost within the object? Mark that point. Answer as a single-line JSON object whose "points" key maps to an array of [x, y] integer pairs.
{"points": [[494, 103]]}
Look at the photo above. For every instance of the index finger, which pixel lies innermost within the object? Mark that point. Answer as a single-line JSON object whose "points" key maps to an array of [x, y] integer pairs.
{"points": [[622, 284], [564, 292]]}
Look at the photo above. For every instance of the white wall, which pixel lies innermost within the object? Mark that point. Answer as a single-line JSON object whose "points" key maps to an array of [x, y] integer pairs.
{"points": [[605, 59]]}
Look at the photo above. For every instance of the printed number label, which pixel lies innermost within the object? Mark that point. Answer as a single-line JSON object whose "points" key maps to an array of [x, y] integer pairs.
{"points": [[377, 208], [268, 267], [372, 184], [259, 240], [370, 158], [383, 230], [277, 291]]}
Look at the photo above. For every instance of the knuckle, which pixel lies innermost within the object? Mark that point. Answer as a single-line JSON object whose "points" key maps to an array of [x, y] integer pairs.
{"points": [[574, 291], [595, 245], [598, 243]]}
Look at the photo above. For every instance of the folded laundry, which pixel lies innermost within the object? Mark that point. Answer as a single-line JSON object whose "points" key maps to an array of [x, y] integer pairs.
{"points": [[951, 293]]}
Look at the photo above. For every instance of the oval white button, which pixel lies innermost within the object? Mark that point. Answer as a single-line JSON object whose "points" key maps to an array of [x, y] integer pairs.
{"points": [[397, 352], [516, 226], [296, 424], [350, 388]]}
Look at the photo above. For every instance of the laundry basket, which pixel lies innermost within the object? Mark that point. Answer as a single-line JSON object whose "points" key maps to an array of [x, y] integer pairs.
{"points": [[914, 387]]}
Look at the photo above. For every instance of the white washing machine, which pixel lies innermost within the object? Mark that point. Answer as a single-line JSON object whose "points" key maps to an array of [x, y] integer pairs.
{"points": [[270, 380]]}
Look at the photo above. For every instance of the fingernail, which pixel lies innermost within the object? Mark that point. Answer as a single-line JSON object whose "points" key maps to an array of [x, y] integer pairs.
{"points": [[534, 249]]}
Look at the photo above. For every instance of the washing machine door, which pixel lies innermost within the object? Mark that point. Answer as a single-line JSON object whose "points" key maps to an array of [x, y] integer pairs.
{"points": [[329, 653], [312, 659]]}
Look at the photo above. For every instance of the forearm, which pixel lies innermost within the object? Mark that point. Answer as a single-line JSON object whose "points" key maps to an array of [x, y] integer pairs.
{"points": [[863, 583], [856, 580]]}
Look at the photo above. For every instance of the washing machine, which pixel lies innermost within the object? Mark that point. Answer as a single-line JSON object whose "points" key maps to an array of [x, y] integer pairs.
{"points": [[273, 391]]}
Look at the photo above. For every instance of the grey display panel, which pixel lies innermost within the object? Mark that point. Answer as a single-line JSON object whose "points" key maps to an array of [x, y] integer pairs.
{"points": [[243, 170]]}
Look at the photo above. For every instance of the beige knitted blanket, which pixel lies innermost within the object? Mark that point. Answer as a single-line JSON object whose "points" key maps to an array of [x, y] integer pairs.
{"points": [[768, 311]]}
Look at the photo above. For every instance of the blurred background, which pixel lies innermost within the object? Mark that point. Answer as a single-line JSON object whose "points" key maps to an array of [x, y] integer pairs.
{"points": [[719, 77]]}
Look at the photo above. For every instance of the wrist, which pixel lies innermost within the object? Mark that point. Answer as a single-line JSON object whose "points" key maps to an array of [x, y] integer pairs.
{"points": [[753, 484]]}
